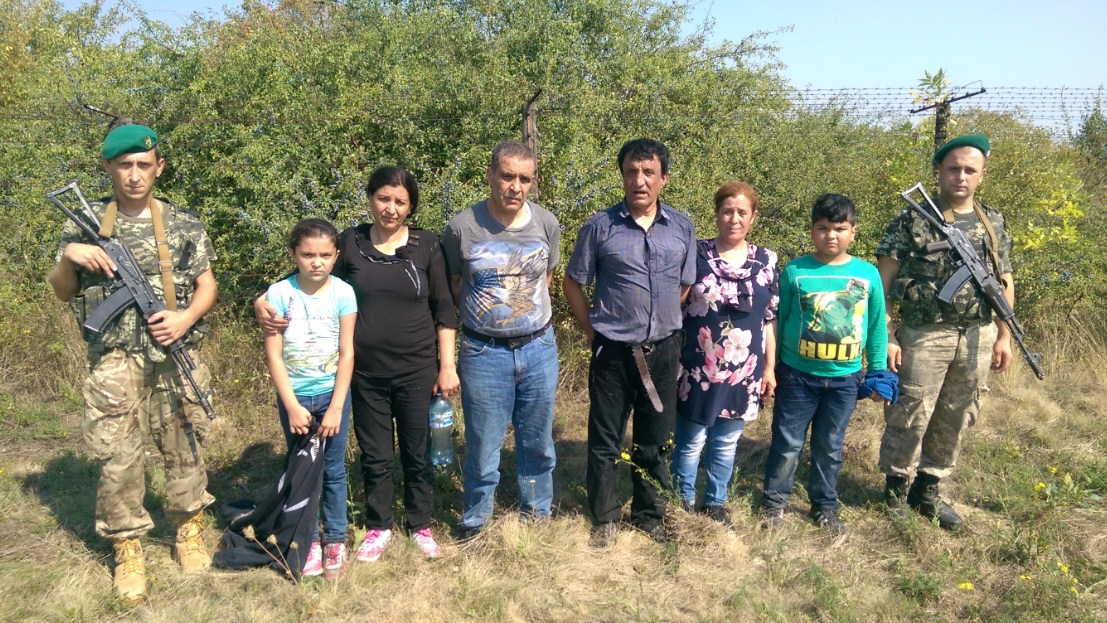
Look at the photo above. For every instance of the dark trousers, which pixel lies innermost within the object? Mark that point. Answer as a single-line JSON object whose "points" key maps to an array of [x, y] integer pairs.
{"points": [[614, 389], [377, 402]]}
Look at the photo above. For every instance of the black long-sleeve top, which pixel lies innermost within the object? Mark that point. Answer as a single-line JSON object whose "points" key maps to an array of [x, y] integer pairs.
{"points": [[402, 299]]}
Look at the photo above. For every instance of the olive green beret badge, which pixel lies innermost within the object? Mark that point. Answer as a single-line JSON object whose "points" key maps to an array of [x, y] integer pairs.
{"points": [[979, 141], [128, 139]]}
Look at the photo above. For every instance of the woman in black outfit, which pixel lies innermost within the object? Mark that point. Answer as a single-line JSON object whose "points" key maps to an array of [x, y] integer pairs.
{"points": [[403, 353]]}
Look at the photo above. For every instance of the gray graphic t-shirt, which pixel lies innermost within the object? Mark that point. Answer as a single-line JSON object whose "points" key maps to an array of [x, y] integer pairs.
{"points": [[503, 270]]}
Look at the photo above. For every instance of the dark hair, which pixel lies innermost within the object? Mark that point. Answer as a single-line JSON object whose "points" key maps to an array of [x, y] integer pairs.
{"points": [[312, 228], [394, 175], [834, 208], [511, 149], [735, 189], [644, 149]]}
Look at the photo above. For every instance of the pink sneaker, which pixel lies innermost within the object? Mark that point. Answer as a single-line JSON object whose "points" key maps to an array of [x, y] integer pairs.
{"points": [[426, 542], [334, 561], [373, 545], [314, 564]]}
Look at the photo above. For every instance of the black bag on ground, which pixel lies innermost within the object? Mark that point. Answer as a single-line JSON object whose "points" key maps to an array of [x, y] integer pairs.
{"points": [[289, 516]]}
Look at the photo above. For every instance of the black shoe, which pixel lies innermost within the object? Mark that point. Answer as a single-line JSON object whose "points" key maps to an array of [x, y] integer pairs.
{"points": [[468, 534], [688, 507], [719, 514], [772, 519], [603, 534], [659, 532], [826, 517], [924, 498], [895, 494]]}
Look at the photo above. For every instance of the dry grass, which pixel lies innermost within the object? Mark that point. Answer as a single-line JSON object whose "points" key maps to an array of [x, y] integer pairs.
{"points": [[1022, 552]]}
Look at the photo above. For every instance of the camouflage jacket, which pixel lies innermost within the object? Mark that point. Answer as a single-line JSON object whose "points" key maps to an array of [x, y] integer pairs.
{"points": [[922, 274], [190, 250]]}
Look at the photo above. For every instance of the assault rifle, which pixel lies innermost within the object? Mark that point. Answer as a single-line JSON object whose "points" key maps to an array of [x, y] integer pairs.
{"points": [[970, 268], [130, 287]]}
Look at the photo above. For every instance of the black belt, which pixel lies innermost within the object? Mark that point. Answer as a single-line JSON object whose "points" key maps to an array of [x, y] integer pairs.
{"points": [[506, 342]]}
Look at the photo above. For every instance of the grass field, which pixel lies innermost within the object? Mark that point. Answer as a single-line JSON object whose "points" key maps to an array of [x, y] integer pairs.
{"points": [[1030, 486]]}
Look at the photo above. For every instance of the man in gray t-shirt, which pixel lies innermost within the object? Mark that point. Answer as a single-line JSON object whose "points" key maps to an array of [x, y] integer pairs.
{"points": [[501, 254]]}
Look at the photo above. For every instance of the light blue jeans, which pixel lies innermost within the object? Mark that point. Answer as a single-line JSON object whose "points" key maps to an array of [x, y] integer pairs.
{"points": [[502, 386], [721, 441]]}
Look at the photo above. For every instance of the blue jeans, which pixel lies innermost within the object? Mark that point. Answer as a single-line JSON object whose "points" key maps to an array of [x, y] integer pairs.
{"points": [[721, 440], [501, 386], [332, 505], [825, 404]]}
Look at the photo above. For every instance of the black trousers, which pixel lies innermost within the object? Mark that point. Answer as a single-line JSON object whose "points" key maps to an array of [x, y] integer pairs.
{"points": [[615, 389], [376, 403]]}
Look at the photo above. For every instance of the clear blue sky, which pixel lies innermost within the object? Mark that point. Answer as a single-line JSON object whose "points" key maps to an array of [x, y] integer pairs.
{"points": [[889, 43], [873, 43]]}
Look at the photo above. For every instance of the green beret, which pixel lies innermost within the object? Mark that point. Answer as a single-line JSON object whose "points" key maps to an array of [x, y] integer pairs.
{"points": [[978, 141], [128, 139]]}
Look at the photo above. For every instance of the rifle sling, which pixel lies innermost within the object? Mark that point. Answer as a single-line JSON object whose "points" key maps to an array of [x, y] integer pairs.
{"points": [[161, 241]]}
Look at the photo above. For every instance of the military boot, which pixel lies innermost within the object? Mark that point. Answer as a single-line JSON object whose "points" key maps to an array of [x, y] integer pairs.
{"points": [[924, 498], [130, 571], [895, 494], [189, 549]]}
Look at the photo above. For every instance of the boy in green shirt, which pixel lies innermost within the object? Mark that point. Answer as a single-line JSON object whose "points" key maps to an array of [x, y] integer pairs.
{"points": [[831, 311]]}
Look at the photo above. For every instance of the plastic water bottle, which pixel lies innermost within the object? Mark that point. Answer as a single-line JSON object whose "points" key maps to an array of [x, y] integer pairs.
{"points": [[441, 415]]}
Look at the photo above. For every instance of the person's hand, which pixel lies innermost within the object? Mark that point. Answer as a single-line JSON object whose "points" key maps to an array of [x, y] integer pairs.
{"points": [[89, 257], [299, 420], [877, 398], [768, 383], [332, 421], [447, 383], [169, 326], [895, 354], [268, 320], [1001, 354]]}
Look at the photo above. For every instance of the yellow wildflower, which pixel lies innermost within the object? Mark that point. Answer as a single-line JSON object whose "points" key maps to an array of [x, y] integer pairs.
{"points": [[1053, 470], [625, 456], [1038, 486], [1063, 567], [965, 586]]}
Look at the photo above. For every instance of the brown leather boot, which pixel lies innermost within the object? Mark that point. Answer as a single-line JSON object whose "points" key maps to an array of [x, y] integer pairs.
{"points": [[189, 550], [130, 571]]}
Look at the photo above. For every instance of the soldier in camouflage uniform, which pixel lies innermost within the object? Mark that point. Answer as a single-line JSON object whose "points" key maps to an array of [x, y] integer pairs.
{"points": [[942, 352], [133, 389]]}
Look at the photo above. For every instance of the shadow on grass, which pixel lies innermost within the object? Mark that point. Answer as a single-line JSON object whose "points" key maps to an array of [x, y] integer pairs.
{"points": [[252, 476], [67, 487]]}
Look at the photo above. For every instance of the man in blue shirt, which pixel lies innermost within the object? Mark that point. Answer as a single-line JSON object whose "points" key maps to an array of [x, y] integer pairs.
{"points": [[640, 253]]}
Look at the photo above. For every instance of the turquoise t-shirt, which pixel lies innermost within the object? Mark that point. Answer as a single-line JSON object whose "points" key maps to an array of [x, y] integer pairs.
{"points": [[831, 314], [311, 339]]}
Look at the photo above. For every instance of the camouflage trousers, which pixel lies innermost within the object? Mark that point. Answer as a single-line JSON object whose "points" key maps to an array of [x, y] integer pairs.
{"points": [[127, 398], [941, 380]]}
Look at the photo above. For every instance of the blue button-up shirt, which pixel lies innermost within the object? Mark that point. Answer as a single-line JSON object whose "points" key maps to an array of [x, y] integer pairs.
{"points": [[638, 273]]}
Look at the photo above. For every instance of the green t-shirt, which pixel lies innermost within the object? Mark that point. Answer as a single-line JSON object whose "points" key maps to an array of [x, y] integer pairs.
{"points": [[831, 314]]}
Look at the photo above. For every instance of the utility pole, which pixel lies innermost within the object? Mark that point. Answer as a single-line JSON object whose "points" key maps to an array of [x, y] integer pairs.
{"points": [[530, 132], [942, 110]]}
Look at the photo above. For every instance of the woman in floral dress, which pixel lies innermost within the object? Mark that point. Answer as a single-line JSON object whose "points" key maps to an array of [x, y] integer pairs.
{"points": [[729, 352]]}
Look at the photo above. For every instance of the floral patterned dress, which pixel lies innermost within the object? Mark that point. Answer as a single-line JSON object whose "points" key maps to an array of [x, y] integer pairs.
{"points": [[724, 323]]}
